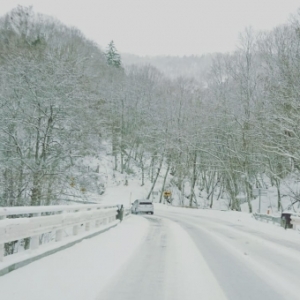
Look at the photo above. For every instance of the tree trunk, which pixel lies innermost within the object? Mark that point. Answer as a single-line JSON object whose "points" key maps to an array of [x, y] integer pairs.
{"points": [[143, 173], [155, 179], [248, 194], [164, 182], [221, 189], [235, 205], [36, 190], [122, 161], [277, 183], [20, 186], [193, 182], [152, 169]]}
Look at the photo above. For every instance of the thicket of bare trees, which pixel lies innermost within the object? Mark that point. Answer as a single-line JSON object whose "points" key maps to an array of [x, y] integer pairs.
{"points": [[222, 134], [239, 128], [50, 105]]}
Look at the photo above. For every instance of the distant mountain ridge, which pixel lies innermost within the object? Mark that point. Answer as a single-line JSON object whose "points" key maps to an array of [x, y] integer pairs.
{"points": [[173, 66]]}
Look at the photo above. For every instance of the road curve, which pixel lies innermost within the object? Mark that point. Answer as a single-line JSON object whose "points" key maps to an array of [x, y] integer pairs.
{"points": [[191, 257]]}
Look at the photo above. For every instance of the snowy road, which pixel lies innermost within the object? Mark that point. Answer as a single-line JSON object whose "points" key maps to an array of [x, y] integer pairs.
{"points": [[174, 255], [166, 266], [192, 257], [144, 277]]}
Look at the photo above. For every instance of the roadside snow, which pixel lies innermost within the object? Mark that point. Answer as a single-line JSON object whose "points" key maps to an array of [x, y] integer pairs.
{"points": [[236, 218], [79, 272], [124, 194]]}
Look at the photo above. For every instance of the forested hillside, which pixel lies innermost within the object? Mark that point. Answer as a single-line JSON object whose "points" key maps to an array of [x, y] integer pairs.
{"points": [[52, 91], [61, 99]]}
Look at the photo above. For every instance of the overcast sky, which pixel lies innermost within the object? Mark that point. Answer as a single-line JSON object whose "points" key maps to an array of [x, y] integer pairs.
{"points": [[164, 27]]}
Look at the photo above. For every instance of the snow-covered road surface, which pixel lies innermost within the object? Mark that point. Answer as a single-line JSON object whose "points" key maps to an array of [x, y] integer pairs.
{"points": [[168, 265], [247, 263], [174, 255], [186, 256]]}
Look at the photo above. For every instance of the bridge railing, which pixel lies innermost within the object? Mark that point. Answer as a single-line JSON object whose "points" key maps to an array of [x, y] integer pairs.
{"points": [[17, 223]]}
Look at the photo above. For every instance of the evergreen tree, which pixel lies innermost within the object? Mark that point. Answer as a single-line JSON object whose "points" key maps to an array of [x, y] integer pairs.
{"points": [[112, 56]]}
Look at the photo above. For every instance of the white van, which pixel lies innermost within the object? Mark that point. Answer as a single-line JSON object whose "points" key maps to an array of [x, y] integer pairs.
{"points": [[142, 206]]}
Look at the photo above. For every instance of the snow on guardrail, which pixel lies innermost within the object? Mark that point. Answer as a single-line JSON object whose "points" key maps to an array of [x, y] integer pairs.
{"points": [[295, 220], [286, 220], [17, 223], [267, 218]]}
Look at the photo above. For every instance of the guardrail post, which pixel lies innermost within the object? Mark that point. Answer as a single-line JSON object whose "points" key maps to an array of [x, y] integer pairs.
{"points": [[34, 242], [75, 229], [1, 252], [87, 226], [2, 245], [58, 235]]}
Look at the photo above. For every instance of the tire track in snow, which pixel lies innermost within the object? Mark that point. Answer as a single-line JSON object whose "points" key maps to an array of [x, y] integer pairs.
{"points": [[241, 276], [168, 266]]}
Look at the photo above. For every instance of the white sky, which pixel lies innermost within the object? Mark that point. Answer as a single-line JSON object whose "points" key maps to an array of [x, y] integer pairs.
{"points": [[164, 27]]}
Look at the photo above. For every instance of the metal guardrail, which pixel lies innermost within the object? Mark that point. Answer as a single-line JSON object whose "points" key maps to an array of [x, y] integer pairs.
{"points": [[21, 210], [18, 223], [295, 220], [286, 220], [268, 218]]}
